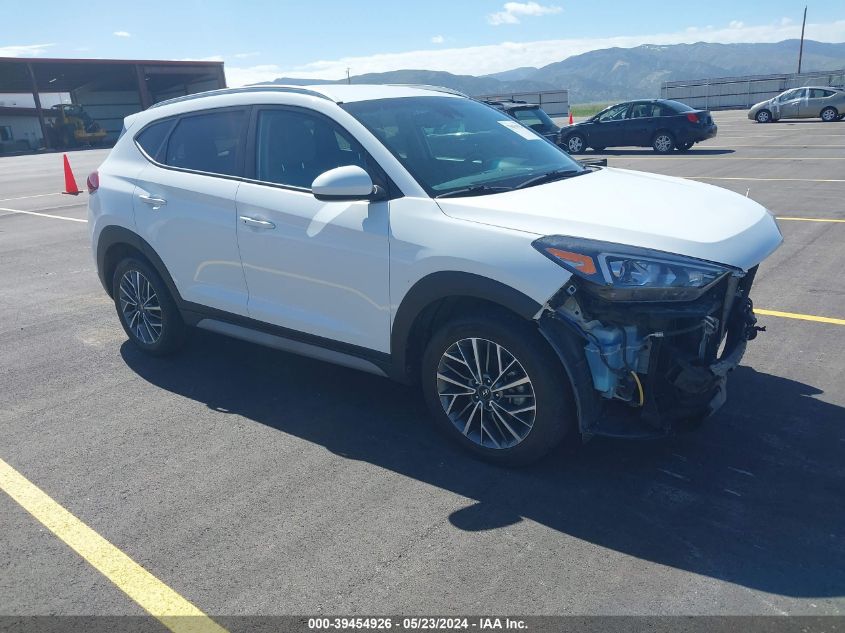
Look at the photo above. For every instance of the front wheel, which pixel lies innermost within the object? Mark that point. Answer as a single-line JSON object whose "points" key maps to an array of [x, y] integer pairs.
{"points": [[663, 143], [496, 387], [147, 312], [763, 116], [576, 144], [829, 114]]}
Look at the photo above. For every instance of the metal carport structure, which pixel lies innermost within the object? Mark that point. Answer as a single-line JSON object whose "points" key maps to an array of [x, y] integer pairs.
{"points": [[108, 89]]}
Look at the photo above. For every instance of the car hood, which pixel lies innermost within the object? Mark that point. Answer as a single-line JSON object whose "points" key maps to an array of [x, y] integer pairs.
{"points": [[757, 106], [673, 215]]}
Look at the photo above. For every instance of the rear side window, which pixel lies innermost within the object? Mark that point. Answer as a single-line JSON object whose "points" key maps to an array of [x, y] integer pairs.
{"points": [[212, 143], [818, 93], [152, 139]]}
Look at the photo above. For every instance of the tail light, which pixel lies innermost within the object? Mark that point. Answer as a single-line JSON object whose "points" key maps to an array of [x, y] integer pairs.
{"points": [[692, 117], [93, 181]]}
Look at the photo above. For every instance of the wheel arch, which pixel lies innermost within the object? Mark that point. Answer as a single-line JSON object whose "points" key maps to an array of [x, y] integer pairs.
{"points": [[442, 295], [117, 242]]}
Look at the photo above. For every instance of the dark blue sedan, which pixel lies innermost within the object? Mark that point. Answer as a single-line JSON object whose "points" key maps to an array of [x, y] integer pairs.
{"points": [[662, 124]]}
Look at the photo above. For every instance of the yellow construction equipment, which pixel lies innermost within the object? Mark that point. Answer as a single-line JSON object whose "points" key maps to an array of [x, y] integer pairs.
{"points": [[71, 126]]}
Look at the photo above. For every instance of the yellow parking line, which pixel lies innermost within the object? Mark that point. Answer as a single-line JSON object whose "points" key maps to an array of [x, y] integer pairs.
{"points": [[159, 600], [810, 219], [802, 317]]}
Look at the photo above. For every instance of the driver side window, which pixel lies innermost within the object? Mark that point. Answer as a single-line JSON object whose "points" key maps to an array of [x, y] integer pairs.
{"points": [[616, 113], [293, 148]]}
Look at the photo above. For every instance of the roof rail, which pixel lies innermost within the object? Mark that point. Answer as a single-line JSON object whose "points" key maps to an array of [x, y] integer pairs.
{"points": [[229, 91], [434, 88]]}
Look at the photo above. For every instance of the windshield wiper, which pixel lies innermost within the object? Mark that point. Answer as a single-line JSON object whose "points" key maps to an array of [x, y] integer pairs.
{"points": [[474, 190], [558, 174]]}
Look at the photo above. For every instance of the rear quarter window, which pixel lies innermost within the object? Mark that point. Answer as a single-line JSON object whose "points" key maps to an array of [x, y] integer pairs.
{"points": [[211, 143], [152, 139]]}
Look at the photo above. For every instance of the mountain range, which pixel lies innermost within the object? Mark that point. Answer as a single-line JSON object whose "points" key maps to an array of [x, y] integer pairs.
{"points": [[623, 73]]}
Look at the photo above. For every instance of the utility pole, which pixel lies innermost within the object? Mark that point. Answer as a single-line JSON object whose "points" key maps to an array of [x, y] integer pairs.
{"points": [[801, 49], [349, 79]]}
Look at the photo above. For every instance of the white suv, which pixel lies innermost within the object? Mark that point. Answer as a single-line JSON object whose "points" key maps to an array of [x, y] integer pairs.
{"points": [[418, 234]]}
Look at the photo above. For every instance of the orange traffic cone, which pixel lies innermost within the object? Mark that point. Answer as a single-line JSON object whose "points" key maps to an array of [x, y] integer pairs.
{"points": [[570, 118], [70, 181]]}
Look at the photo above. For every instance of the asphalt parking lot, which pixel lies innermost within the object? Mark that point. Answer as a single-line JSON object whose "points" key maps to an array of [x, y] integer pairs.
{"points": [[255, 482]]}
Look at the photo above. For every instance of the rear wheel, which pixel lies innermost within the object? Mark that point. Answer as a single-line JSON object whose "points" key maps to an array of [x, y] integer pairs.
{"points": [[763, 116], [829, 114], [576, 144], [663, 143], [496, 387], [147, 312]]}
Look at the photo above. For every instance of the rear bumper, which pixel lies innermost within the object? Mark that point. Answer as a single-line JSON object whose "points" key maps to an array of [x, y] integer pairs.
{"points": [[702, 134]]}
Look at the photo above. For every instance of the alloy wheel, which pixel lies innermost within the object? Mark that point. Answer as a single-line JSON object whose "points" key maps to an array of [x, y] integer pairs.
{"points": [[486, 393], [140, 307], [575, 144], [663, 143], [763, 116], [829, 115]]}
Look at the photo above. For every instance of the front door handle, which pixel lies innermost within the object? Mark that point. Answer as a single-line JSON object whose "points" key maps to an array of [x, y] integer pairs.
{"points": [[153, 201], [257, 223]]}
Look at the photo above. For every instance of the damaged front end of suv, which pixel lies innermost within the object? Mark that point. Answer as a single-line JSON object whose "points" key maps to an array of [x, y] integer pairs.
{"points": [[654, 334]]}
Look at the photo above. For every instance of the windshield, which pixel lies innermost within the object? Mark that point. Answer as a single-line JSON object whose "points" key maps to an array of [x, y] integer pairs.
{"points": [[677, 106], [451, 144], [533, 117]]}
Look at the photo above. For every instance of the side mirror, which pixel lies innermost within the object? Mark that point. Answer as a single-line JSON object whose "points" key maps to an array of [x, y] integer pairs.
{"points": [[345, 184]]}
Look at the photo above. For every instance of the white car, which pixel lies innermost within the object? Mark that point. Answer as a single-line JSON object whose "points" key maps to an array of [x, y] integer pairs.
{"points": [[418, 234]]}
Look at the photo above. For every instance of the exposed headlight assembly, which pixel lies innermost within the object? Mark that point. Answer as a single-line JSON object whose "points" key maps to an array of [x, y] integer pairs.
{"points": [[628, 273]]}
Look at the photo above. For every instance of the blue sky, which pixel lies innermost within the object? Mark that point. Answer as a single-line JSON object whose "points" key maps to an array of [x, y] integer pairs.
{"points": [[320, 38]]}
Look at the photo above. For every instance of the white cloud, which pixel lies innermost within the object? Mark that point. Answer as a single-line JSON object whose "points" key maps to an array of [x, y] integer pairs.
{"points": [[482, 60], [122, 34], [210, 58], [437, 39], [512, 11], [236, 77], [736, 24], [247, 55], [26, 50]]}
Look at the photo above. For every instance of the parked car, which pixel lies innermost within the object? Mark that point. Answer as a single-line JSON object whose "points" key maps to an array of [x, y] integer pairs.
{"points": [[528, 295], [811, 102], [530, 115], [659, 123]]}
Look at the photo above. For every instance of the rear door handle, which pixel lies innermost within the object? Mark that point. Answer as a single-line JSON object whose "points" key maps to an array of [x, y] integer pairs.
{"points": [[257, 223], [153, 201]]}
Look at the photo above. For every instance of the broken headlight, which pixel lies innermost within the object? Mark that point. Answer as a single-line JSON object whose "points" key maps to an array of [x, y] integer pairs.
{"points": [[628, 273]]}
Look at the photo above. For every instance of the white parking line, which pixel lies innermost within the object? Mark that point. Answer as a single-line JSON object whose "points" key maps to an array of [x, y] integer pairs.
{"points": [[37, 195], [725, 157], [43, 215], [763, 179]]}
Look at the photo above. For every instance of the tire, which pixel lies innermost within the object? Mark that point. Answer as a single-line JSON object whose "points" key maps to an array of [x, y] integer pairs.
{"points": [[763, 116], [541, 406], [575, 144], [829, 114], [683, 147], [663, 142], [158, 329]]}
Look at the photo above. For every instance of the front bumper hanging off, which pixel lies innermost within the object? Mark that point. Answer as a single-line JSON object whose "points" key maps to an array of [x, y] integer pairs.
{"points": [[641, 370]]}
